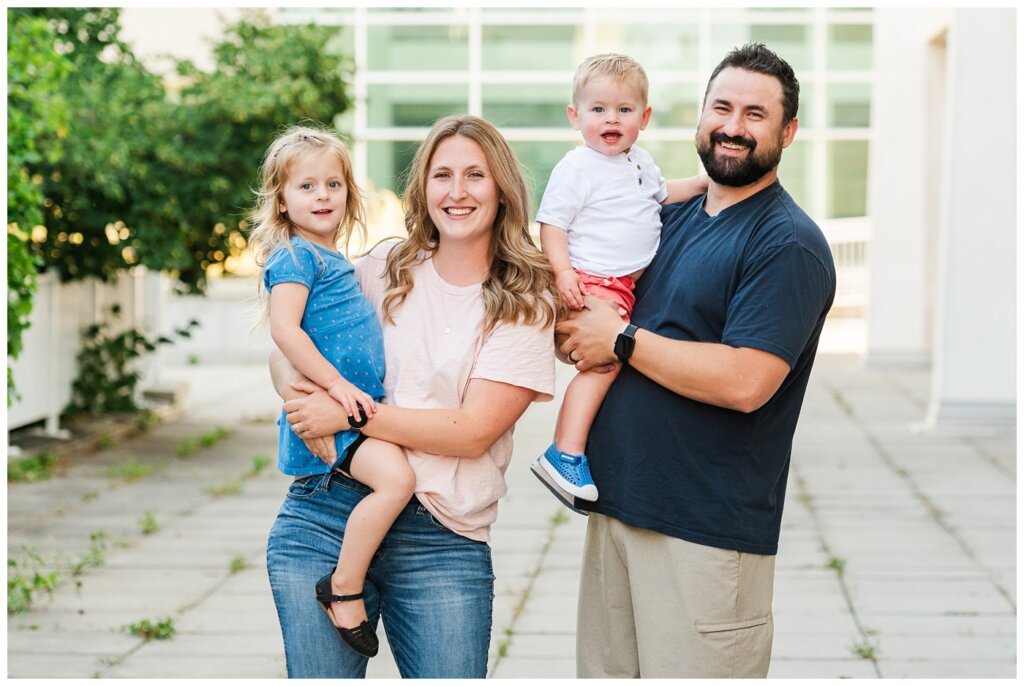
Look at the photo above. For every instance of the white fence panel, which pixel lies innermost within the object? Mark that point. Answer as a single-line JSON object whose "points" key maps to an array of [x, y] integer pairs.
{"points": [[44, 371], [226, 315]]}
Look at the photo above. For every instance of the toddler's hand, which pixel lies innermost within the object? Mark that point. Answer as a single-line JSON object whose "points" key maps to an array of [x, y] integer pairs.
{"points": [[571, 288], [351, 398]]}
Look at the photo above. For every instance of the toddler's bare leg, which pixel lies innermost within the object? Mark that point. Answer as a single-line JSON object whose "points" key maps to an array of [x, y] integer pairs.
{"points": [[383, 467], [582, 400]]}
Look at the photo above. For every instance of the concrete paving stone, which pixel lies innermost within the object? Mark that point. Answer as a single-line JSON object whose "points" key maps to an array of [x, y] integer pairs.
{"points": [[821, 669], [556, 618], [188, 646], [924, 626], [535, 668], [65, 666], [248, 618], [49, 641], [968, 648], [812, 646], [832, 620], [946, 669], [546, 645], [216, 667], [925, 596]]}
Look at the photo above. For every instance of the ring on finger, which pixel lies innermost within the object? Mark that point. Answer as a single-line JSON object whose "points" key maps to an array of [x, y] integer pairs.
{"points": [[571, 358]]}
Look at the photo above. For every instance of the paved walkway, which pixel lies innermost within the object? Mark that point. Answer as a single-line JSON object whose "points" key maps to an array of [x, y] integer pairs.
{"points": [[897, 558]]}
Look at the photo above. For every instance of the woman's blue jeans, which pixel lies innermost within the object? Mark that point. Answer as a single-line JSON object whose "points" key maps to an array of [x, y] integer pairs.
{"points": [[433, 589]]}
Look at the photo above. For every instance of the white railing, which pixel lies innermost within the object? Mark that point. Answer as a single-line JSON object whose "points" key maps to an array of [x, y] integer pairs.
{"points": [[849, 239]]}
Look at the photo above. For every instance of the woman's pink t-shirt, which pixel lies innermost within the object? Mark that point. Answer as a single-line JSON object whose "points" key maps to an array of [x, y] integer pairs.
{"points": [[432, 351]]}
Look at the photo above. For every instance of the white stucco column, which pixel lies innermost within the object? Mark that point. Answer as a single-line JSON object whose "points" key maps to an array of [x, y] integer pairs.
{"points": [[900, 302], [974, 363]]}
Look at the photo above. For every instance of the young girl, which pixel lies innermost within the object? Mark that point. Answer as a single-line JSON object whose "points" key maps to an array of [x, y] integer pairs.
{"points": [[308, 203]]}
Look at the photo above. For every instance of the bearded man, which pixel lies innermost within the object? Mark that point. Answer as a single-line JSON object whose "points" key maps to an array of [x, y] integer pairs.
{"points": [[691, 448]]}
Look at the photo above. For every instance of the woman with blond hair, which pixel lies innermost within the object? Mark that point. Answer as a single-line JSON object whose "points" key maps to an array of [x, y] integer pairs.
{"points": [[467, 306]]}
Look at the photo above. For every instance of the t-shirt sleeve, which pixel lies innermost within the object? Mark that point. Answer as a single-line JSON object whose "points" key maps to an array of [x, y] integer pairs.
{"points": [[519, 355], [298, 265], [565, 195], [781, 297], [662, 191]]}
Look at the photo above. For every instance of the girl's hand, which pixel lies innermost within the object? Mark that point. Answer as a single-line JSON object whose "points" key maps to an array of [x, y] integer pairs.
{"points": [[316, 415], [570, 287], [351, 398]]}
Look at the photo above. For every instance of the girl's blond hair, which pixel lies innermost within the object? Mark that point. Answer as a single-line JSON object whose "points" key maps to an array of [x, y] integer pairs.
{"points": [[271, 228], [520, 286]]}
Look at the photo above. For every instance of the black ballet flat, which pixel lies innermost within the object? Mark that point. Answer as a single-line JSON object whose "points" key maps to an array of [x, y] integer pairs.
{"points": [[362, 639]]}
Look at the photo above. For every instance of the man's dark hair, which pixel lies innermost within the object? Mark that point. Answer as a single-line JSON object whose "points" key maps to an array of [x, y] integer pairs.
{"points": [[756, 57]]}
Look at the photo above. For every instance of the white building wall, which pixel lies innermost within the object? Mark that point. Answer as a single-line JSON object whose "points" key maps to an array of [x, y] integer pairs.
{"points": [[899, 301], [974, 365]]}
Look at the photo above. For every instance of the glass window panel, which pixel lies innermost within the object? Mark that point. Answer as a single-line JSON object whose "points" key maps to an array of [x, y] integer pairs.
{"points": [[805, 112], [530, 47], [849, 46], [531, 105], [674, 105], [849, 105], [418, 48], [669, 47], [795, 173], [792, 42], [847, 178], [676, 159], [388, 163], [537, 159], [414, 105]]}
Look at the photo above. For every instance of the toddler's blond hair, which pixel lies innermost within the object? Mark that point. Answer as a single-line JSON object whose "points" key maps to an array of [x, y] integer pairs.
{"points": [[610, 65]]}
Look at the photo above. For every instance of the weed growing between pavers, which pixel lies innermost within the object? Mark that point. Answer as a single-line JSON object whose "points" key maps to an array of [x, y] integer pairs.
{"points": [[156, 630], [25, 581], [864, 650], [238, 564], [258, 464], [226, 487], [836, 563], [35, 468], [132, 470], [106, 440], [148, 524], [187, 446]]}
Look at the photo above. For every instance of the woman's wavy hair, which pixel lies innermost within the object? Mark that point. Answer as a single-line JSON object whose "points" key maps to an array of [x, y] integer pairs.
{"points": [[271, 227], [520, 286]]}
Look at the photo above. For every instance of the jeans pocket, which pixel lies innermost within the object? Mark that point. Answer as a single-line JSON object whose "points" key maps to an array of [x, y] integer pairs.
{"points": [[304, 487]]}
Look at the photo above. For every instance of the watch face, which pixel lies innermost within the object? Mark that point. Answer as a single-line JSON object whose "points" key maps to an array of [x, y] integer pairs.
{"points": [[623, 346]]}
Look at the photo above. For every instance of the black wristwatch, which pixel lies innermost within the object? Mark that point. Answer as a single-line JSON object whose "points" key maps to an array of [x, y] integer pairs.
{"points": [[625, 342]]}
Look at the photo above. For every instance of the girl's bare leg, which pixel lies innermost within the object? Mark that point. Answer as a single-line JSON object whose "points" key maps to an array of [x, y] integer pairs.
{"points": [[383, 467], [582, 400]]}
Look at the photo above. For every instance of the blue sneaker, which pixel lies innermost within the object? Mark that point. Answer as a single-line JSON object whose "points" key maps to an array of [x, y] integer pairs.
{"points": [[570, 472], [566, 499]]}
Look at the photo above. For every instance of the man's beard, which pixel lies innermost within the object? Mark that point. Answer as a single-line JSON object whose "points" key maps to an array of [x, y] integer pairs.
{"points": [[735, 172]]}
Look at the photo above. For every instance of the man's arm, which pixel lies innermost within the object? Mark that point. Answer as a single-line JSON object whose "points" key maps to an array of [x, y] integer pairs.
{"points": [[741, 379], [488, 410]]}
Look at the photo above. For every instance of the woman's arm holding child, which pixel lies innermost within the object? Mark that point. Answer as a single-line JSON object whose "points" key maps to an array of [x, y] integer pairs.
{"points": [[287, 303], [681, 190], [488, 410]]}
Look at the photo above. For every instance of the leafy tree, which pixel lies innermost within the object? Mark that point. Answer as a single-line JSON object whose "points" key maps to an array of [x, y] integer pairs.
{"points": [[162, 180], [36, 120]]}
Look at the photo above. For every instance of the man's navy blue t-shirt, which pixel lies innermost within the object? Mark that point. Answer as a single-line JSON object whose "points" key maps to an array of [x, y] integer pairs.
{"points": [[758, 275]]}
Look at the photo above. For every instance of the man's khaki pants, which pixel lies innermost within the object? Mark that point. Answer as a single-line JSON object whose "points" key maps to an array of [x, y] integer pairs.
{"points": [[656, 606]]}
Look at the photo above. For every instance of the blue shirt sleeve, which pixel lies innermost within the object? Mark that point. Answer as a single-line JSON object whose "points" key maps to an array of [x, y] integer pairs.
{"points": [[780, 298], [299, 265]]}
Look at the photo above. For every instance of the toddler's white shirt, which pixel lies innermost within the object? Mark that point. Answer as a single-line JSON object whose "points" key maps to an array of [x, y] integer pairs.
{"points": [[609, 207]]}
